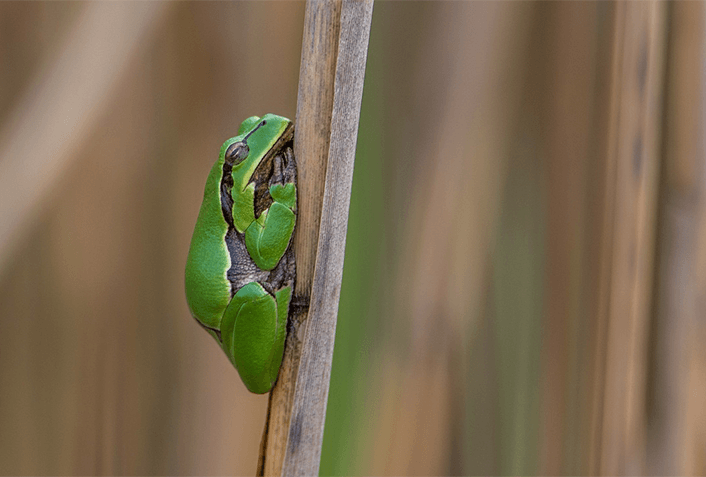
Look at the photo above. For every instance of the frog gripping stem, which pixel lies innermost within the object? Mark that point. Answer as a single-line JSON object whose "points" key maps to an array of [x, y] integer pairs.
{"points": [[240, 270]]}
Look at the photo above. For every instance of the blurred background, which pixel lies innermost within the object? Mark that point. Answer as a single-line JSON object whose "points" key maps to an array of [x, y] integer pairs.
{"points": [[525, 279]]}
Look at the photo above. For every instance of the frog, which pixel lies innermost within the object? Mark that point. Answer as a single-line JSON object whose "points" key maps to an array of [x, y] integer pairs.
{"points": [[240, 268]]}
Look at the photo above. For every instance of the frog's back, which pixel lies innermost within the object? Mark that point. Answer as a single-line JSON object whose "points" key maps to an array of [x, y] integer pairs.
{"points": [[208, 293]]}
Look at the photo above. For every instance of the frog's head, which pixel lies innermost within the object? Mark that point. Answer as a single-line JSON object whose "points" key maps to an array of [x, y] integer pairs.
{"points": [[255, 143]]}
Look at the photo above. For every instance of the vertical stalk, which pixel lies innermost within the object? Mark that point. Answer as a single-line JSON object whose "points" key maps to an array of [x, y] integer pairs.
{"points": [[334, 52]]}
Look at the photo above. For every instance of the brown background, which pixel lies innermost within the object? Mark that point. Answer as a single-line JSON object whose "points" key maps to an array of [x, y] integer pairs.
{"points": [[525, 280]]}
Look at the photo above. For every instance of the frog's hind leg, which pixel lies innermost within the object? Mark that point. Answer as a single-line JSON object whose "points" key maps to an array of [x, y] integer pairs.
{"points": [[252, 337]]}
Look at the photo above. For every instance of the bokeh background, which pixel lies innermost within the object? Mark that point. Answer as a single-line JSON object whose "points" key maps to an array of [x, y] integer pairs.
{"points": [[525, 278]]}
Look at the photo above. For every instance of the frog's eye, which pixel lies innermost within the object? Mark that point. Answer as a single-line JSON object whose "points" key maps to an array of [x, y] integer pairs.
{"points": [[237, 152]]}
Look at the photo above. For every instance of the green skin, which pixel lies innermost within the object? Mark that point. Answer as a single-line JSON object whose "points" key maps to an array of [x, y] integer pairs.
{"points": [[240, 268]]}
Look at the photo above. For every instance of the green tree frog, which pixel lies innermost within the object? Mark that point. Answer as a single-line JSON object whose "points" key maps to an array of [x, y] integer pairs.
{"points": [[240, 269]]}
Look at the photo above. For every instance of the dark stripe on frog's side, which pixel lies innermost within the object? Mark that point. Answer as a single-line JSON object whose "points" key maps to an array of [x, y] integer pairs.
{"points": [[225, 194], [243, 269]]}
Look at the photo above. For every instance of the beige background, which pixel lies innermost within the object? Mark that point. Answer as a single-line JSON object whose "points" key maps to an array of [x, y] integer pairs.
{"points": [[525, 279]]}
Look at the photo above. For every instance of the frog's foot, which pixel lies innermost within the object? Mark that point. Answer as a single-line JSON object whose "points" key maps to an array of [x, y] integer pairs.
{"points": [[290, 165], [284, 170]]}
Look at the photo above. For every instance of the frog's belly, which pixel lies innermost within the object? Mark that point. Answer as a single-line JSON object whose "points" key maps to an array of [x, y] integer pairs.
{"points": [[242, 268]]}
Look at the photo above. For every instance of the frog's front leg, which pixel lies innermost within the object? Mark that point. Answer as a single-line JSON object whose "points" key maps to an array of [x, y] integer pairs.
{"points": [[285, 168], [268, 236], [253, 331]]}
